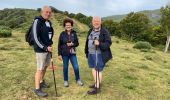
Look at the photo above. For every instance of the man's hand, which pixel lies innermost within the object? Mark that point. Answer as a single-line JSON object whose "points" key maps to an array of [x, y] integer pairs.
{"points": [[49, 49], [60, 58], [96, 42]]}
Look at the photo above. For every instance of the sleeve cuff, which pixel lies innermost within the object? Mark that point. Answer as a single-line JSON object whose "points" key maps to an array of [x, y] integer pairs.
{"points": [[45, 48]]}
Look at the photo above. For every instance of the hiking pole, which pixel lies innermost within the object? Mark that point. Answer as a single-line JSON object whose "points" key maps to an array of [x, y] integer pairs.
{"points": [[97, 67], [52, 67]]}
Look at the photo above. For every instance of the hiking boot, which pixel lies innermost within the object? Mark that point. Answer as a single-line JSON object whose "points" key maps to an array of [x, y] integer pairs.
{"points": [[44, 85], [39, 93], [93, 91], [80, 83], [66, 84]]}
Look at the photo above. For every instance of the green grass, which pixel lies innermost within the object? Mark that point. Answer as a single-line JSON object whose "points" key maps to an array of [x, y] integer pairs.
{"points": [[130, 75]]}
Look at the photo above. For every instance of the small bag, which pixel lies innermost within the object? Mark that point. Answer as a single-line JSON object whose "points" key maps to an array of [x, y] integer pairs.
{"points": [[72, 51]]}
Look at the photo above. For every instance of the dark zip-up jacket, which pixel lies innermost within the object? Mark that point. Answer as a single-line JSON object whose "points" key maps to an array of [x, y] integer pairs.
{"points": [[64, 38], [104, 44], [42, 34]]}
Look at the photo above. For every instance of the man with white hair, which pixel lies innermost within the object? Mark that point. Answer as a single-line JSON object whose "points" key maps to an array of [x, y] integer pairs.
{"points": [[42, 33], [97, 50]]}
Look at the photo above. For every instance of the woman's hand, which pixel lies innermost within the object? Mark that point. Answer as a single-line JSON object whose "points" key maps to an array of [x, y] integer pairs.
{"points": [[70, 44], [60, 58]]}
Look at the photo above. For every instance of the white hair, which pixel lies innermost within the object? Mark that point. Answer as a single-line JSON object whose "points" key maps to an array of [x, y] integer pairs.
{"points": [[97, 18], [45, 7]]}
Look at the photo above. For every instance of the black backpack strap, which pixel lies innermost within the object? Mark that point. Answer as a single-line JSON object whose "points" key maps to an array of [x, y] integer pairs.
{"points": [[51, 26], [89, 31]]}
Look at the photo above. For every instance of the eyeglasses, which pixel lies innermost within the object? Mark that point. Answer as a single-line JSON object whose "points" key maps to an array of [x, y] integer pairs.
{"points": [[67, 25]]}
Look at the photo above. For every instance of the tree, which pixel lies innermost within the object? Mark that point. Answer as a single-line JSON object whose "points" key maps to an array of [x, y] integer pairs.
{"points": [[79, 15], [155, 35], [71, 15], [89, 21], [55, 10], [134, 25], [39, 9], [83, 19], [165, 22], [5, 31], [112, 27], [66, 13]]}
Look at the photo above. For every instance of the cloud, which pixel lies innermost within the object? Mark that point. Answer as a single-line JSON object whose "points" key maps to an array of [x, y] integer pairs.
{"points": [[89, 7], [126, 6]]}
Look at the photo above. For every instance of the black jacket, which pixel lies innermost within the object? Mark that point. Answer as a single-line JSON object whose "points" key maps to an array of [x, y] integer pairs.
{"points": [[105, 43], [64, 38], [41, 34]]}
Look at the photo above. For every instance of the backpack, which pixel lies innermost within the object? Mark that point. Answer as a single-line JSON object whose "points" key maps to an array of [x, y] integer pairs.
{"points": [[29, 34]]}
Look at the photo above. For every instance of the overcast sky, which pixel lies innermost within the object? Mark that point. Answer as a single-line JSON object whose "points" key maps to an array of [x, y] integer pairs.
{"points": [[89, 7]]}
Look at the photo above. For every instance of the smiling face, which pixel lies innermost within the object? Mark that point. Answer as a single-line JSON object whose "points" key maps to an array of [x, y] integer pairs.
{"points": [[68, 27], [96, 22], [68, 24], [46, 12]]}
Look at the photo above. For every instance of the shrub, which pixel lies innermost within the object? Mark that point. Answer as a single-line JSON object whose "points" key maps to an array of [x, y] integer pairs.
{"points": [[5, 31], [142, 45]]}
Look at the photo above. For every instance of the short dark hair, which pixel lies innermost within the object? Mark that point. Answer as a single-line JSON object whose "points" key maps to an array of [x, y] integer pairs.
{"points": [[67, 20]]}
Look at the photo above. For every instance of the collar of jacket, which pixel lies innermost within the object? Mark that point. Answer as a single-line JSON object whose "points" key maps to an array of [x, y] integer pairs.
{"points": [[72, 31], [98, 30], [41, 18], [102, 30]]}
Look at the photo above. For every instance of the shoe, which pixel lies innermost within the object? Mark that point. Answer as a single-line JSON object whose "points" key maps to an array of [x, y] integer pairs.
{"points": [[39, 93], [44, 85], [66, 84], [80, 83], [93, 91]]}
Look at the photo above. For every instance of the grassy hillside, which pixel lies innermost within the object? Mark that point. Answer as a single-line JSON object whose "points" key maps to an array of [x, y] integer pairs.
{"points": [[130, 75], [153, 15], [20, 19]]}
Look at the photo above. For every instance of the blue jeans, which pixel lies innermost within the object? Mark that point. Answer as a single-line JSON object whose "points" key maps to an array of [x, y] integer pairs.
{"points": [[73, 60]]}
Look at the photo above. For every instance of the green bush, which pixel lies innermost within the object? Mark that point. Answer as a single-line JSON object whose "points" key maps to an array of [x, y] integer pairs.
{"points": [[5, 31], [142, 45]]}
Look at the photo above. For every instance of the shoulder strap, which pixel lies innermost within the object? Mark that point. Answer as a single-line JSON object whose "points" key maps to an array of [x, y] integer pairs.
{"points": [[89, 31], [50, 22]]}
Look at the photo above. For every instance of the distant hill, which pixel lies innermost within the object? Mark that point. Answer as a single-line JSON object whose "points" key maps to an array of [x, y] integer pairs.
{"points": [[154, 16], [21, 19]]}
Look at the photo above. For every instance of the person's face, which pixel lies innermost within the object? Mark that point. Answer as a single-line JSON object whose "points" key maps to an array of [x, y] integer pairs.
{"points": [[68, 27], [46, 13], [96, 23]]}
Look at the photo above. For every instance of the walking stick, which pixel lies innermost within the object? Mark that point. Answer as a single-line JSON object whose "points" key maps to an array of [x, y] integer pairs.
{"points": [[97, 67], [52, 67]]}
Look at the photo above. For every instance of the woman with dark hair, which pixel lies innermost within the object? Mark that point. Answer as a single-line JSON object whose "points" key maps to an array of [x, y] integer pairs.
{"points": [[67, 43]]}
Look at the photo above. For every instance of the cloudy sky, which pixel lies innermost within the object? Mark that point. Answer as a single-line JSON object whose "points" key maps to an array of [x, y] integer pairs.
{"points": [[89, 7]]}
